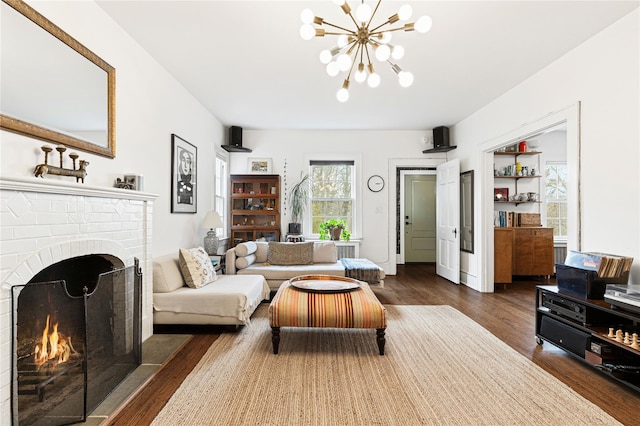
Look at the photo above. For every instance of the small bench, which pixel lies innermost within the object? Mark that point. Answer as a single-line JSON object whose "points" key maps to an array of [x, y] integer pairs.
{"points": [[359, 308]]}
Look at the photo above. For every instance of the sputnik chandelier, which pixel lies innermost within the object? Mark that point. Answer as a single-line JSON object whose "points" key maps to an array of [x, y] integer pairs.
{"points": [[358, 45]]}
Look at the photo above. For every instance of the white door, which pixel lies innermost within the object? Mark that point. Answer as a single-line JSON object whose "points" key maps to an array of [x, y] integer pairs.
{"points": [[448, 221], [420, 218]]}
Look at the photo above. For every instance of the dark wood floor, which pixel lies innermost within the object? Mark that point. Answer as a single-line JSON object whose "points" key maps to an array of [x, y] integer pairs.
{"points": [[508, 314]]}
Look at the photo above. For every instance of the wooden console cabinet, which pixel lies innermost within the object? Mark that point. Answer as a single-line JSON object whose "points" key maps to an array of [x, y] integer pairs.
{"points": [[522, 251]]}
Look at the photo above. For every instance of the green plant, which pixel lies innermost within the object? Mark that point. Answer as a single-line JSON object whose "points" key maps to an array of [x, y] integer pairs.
{"points": [[327, 227], [299, 198]]}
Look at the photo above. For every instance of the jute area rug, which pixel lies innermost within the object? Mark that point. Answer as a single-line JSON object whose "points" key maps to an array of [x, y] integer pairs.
{"points": [[440, 367]]}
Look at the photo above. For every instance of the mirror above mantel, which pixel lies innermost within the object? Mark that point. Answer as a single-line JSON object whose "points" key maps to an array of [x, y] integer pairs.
{"points": [[54, 88]]}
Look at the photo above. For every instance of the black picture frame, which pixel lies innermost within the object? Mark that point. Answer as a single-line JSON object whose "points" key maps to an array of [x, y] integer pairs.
{"points": [[184, 176]]}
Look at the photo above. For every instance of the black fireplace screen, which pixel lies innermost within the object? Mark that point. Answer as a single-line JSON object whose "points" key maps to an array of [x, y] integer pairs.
{"points": [[70, 351]]}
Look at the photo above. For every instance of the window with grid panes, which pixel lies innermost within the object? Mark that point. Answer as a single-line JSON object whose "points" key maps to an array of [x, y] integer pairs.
{"points": [[332, 192], [556, 197]]}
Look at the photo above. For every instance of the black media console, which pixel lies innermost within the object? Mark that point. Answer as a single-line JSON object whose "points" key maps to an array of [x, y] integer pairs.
{"points": [[587, 329]]}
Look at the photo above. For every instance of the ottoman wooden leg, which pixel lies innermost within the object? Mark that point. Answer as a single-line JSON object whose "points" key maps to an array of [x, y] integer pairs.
{"points": [[275, 338], [381, 339]]}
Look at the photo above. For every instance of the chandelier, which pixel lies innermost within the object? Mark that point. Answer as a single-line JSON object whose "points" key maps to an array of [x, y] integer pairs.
{"points": [[357, 46]]}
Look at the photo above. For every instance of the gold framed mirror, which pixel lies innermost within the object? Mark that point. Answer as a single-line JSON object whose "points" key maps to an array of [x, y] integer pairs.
{"points": [[54, 88]]}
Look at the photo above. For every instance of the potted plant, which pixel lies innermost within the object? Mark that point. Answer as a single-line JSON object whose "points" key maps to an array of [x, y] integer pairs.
{"points": [[298, 200], [334, 229]]}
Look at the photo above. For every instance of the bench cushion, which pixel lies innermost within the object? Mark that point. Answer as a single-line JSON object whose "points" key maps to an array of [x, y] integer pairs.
{"points": [[359, 308]]}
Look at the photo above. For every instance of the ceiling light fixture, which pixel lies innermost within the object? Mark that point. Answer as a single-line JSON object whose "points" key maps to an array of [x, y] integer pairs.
{"points": [[359, 45]]}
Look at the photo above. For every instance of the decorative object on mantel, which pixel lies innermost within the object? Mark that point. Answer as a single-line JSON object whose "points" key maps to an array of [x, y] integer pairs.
{"points": [[45, 168], [212, 221], [365, 40], [184, 167], [135, 182]]}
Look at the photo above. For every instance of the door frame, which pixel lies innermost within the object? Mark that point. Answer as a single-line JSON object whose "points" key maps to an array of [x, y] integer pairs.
{"points": [[403, 173], [571, 117], [432, 161]]}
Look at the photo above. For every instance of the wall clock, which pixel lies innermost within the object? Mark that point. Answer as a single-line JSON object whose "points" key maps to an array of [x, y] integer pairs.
{"points": [[375, 183]]}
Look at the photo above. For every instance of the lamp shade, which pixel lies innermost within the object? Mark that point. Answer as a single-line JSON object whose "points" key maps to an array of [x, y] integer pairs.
{"points": [[212, 220]]}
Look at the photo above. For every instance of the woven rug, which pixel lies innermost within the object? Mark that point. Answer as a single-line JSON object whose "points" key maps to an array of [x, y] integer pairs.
{"points": [[440, 367]]}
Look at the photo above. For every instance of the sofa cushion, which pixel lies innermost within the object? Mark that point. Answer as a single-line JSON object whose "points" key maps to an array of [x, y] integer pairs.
{"points": [[325, 252], [246, 248], [262, 251], [166, 274], [290, 253], [196, 267], [243, 262], [281, 273]]}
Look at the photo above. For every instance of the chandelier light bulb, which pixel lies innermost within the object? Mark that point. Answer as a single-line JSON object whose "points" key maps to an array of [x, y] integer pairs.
{"points": [[307, 16], [325, 56], [383, 52], [342, 95], [343, 40], [332, 68], [344, 62], [373, 80], [307, 31], [363, 12], [360, 75], [405, 78], [423, 24], [405, 12], [384, 38], [397, 52]]}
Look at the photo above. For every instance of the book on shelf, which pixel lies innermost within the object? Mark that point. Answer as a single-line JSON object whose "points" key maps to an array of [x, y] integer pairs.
{"points": [[502, 219], [606, 265]]}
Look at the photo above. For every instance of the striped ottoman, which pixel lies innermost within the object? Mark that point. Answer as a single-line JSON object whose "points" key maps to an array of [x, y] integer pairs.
{"points": [[359, 308]]}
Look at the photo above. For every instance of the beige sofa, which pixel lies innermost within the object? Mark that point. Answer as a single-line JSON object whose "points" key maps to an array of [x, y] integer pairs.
{"points": [[278, 262], [229, 300]]}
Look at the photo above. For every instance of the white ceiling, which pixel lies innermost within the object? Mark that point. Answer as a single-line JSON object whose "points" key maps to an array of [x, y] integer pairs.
{"points": [[246, 63]]}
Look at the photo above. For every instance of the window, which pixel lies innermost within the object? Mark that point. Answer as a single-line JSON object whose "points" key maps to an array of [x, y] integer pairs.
{"points": [[332, 192], [221, 199], [556, 196]]}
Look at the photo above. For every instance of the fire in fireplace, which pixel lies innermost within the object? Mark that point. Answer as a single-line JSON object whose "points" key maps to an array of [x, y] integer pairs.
{"points": [[75, 338]]}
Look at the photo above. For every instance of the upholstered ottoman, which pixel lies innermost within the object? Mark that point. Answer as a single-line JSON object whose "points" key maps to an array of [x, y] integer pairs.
{"points": [[359, 308]]}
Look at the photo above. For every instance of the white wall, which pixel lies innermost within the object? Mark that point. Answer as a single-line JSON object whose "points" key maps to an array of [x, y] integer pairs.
{"points": [[601, 74], [150, 106], [376, 151]]}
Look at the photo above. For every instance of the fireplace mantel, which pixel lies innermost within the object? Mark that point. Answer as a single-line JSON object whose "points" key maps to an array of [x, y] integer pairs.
{"points": [[33, 184]]}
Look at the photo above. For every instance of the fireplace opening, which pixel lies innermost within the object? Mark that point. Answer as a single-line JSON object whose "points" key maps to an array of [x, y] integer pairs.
{"points": [[77, 335]]}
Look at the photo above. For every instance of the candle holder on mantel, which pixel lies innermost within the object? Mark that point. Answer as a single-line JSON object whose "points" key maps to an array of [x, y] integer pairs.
{"points": [[43, 169]]}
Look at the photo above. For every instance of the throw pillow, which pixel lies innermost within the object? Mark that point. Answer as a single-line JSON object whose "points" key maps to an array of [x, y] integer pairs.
{"points": [[196, 267], [290, 253], [245, 249], [243, 262], [262, 251], [325, 252]]}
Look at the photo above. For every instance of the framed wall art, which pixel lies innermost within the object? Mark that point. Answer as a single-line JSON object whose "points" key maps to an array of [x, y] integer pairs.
{"points": [[184, 182], [259, 165]]}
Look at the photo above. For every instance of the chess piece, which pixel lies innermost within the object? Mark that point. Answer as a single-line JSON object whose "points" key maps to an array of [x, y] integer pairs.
{"points": [[634, 341], [626, 340], [619, 337], [611, 334]]}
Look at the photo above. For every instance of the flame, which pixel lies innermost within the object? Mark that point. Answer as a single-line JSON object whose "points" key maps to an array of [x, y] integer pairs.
{"points": [[52, 346]]}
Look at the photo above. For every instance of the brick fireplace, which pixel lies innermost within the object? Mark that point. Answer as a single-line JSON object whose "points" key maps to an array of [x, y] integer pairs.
{"points": [[43, 222]]}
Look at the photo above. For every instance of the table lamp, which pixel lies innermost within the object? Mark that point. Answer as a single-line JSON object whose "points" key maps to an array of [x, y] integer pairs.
{"points": [[212, 221]]}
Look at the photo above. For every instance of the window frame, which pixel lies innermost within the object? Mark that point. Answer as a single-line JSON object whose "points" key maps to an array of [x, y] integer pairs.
{"points": [[356, 191], [221, 200], [558, 201]]}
